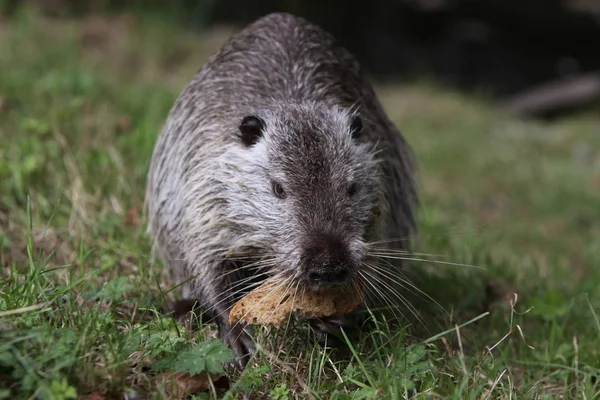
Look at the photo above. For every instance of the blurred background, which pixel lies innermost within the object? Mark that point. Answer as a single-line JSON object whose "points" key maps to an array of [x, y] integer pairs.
{"points": [[537, 58]]}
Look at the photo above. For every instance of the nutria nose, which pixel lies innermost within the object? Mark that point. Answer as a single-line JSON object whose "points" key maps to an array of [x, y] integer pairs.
{"points": [[326, 260], [328, 276]]}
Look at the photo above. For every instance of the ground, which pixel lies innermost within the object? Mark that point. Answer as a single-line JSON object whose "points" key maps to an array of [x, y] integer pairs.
{"points": [[81, 104]]}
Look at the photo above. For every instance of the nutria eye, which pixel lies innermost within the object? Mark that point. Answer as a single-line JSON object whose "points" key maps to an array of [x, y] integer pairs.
{"points": [[352, 189], [278, 190], [356, 127], [251, 130]]}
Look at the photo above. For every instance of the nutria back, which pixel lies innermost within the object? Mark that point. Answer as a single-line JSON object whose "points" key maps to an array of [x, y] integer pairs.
{"points": [[277, 159]]}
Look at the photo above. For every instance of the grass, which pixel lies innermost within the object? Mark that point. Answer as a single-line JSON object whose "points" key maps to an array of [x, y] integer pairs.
{"points": [[81, 103]]}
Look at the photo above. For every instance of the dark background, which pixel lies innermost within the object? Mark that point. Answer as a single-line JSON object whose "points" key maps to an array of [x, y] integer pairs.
{"points": [[501, 48]]}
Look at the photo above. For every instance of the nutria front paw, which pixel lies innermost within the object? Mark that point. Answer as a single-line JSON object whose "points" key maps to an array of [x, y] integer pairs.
{"points": [[240, 342]]}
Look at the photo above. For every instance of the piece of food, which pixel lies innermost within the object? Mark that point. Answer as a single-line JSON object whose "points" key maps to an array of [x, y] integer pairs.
{"points": [[272, 303]]}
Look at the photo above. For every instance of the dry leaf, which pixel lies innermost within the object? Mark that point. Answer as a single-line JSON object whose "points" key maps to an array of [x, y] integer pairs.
{"points": [[181, 385], [124, 124], [596, 182], [92, 396], [132, 217]]}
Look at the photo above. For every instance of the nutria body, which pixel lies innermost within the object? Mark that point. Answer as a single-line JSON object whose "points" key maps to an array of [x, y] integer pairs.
{"points": [[276, 155]]}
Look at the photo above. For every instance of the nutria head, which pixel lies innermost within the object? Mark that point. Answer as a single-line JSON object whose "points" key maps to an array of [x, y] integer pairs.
{"points": [[302, 186]]}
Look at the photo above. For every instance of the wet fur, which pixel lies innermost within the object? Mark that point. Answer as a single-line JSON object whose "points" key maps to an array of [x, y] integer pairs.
{"points": [[209, 201]]}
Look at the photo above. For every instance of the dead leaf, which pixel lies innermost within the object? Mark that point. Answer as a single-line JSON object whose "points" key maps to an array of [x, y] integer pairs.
{"points": [[92, 396], [596, 182], [132, 217], [181, 385], [124, 124]]}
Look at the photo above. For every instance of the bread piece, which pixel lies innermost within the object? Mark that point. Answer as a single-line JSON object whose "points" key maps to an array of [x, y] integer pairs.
{"points": [[272, 303]]}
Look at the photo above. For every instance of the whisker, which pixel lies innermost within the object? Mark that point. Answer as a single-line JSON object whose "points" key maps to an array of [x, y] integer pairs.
{"points": [[243, 287], [257, 265], [396, 275], [374, 292], [228, 309], [422, 235], [295, 292], [425, 260], [277, 286], [284, 294], [379, 289], [383, 250], [391, 240], [381, 296], [288, 282], [394, 292]]}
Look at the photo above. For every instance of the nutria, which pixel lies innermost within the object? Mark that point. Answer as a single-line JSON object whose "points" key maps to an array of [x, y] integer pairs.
{"points": [[277, 158]]}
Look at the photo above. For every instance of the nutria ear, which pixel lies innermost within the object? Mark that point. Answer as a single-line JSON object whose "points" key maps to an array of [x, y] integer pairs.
{"points": [[251, 130], [356, 127]]}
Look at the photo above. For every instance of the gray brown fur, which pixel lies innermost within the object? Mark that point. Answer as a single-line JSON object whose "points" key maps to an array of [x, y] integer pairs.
{"points": [[209, 198]]}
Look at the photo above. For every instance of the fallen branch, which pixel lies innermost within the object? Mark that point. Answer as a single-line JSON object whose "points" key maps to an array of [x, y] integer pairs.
{"points": [[565, 93]]}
